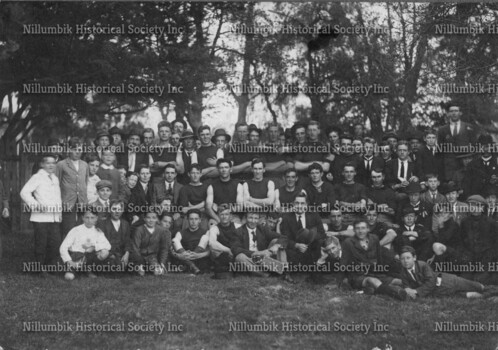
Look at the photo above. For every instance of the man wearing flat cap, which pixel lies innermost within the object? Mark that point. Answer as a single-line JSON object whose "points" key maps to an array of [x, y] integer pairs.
{"points": [[102, 204]]}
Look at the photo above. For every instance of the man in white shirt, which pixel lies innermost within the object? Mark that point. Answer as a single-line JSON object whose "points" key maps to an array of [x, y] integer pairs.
{"points": [[84, 246], [42, 196]]}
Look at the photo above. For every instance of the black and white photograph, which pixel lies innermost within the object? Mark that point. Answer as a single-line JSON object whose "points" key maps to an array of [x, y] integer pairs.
{"points": [[248, 175]]}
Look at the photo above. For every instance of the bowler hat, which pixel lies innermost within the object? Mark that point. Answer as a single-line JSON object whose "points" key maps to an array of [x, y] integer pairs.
{"points": [[220, 132]]}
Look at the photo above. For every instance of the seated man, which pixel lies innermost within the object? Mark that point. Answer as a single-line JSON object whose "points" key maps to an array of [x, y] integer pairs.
{"points": [[150, 246], [117, 232], [321, 195], [259, 192], [456, 209], [383, 231], [337, 227], [414, 235], [303, 246], [422, 210], [253, 248], [285, 195], [220, 241], [401, 172], [84, 246], [190, 244], [382, 197], [432, 196], [376, 268], [351, 195], [421, 281]]}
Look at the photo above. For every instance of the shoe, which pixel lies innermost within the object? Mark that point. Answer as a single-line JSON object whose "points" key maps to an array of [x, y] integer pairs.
{"points": [[91, 275], [141, 271], [287, 278], [69, 276]]}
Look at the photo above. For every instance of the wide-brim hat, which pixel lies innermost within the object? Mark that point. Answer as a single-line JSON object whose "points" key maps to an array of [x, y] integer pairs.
{"points": [[220, 132], [187, 134], [449, 187]]}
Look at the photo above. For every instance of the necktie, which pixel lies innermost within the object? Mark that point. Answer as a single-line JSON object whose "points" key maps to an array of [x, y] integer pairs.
{"points": [[412, 273], [433, 151], [433, 197], [368, 165], [169, 189], [299, 222], [486, 162], [455, 130], [402, 171], [253, 233]]}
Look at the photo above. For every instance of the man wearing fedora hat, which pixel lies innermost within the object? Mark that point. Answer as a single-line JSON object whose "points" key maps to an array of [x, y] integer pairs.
{"points": [[135, 155], [221, 139], [179, 126], [118, 144], [102, 142], [189, 155]]}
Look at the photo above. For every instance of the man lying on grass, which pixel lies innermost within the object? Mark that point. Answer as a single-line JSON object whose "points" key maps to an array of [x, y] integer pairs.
{"points": [[85, 246], [421, 281]]}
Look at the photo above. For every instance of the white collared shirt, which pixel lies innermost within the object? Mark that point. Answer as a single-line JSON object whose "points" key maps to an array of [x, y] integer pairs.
{"points": [[303, 219], [103, 202], [452, 127], [116, 224], [253, 246], [76, 164], [43, 189], [405, 162], [132, 156], [107, 167], [83, 240]]}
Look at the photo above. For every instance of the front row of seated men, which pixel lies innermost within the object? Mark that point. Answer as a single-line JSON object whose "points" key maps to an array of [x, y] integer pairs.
{"points": [[354, 255]]}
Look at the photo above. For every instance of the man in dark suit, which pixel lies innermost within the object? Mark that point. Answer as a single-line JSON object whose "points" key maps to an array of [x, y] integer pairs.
{"points": [[303, 245], [254, 246], [401, 171], [421, 281], [482, 172], [117, 232], [367, 163], [422, 210], [429, 160], [453, 135], [135, 154], [169, 186], [414, 235], [141, 196]]}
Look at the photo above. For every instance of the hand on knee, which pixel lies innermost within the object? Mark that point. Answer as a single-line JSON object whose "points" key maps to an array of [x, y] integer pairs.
{"points": [[102, 254]]}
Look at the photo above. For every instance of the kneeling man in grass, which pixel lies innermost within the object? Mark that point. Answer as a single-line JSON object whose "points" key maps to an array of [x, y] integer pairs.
{"points": [[150, 246], [190, 244], [85, 246]]}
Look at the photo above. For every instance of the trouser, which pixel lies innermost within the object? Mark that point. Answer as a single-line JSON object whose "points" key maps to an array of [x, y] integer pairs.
{"points": [[146, 262], [90, 262], [69, 220], [203, 264], [277, 264], [47, 242], [452, 284]]}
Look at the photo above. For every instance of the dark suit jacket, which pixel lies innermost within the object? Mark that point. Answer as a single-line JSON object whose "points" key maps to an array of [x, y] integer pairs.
{"points": [[4, 198], [479, 175], [159, 191], [141, 158], [289, 227], [362, 175], [240, 242], [466, 136], [158, 243], [120, 240], [140, 198], [427, 163], [392, 172], [425, 283]]}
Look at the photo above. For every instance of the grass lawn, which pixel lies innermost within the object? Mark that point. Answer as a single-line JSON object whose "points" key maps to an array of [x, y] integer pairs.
{"points": [[205, 309]]}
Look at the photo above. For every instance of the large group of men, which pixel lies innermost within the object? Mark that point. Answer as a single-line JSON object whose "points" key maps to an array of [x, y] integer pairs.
{"points": [[405, 216]]}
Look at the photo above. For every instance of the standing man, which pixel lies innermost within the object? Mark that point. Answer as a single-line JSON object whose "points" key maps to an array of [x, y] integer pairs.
{"points": [[453, 135], [73, 175], [42, 195]]}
